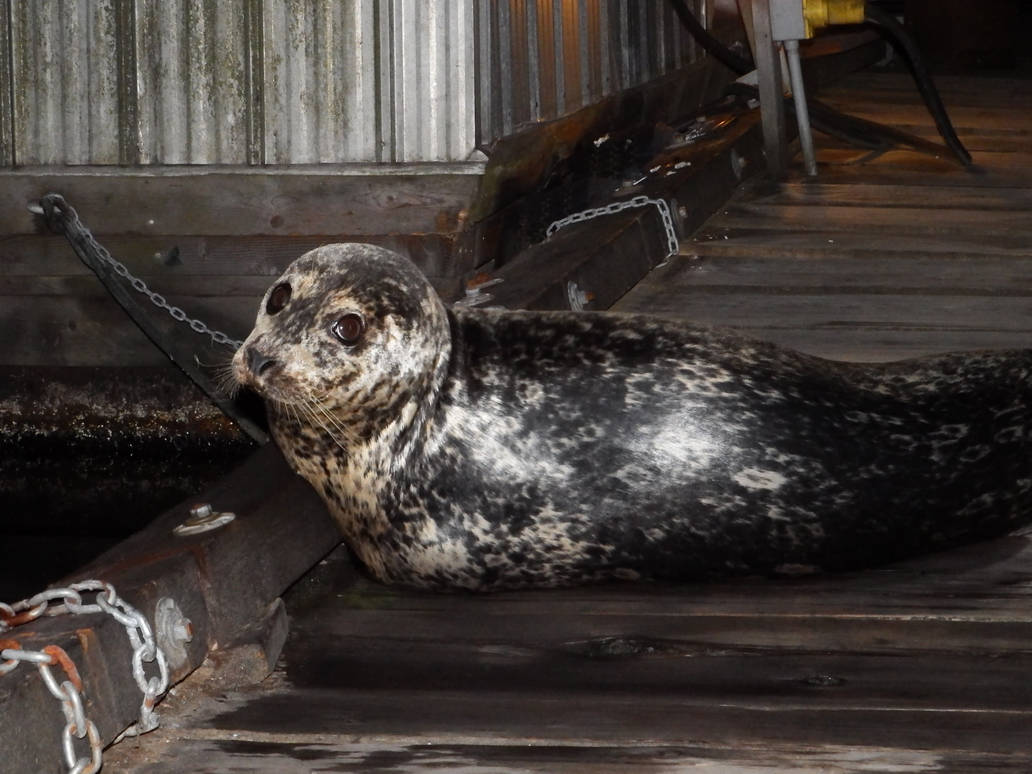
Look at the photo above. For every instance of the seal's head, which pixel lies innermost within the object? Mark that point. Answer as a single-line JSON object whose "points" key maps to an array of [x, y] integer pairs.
{"points": [[349, 333]]}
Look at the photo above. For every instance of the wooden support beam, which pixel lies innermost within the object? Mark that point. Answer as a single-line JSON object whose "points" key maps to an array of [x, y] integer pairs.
{"points": [[223, 581], [603, 258], [296, 200]]}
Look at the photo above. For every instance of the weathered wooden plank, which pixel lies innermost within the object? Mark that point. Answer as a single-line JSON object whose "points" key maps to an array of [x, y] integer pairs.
{"points": [[880, 346], [828, 194], [303, 755], [282, 530], [57, 312], [973, 599], [603, 258], [283, 201], [940, 221], [730, 267], [493, 693], [992, 169], [821, 309], [172, 255], [872, 344], [906, 665], [967, 118], [549, 717], [997, 90], [719, 241], [87, 327], [693, 676], [602, 261], [93, 330], [493, 673], [184, 287], [977, 143]]}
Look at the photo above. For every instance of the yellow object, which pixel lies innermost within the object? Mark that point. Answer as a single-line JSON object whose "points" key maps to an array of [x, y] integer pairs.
{"points": [[821, 13]]}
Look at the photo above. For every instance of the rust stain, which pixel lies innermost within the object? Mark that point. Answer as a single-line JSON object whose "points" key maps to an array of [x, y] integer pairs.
{"points": [[478, 279], [24, 617], [447, 221], [109, 571], [85, 637], [59, 657]]}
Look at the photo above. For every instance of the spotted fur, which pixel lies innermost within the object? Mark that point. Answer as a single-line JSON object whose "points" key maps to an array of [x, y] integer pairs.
{"points": [[479, 449]]}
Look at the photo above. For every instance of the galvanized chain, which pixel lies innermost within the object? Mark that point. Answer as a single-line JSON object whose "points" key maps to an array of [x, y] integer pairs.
{"points": [[611, 209], [138, 284], [69, 692]]}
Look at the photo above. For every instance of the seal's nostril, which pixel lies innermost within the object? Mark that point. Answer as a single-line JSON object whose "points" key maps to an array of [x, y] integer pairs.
{"points": [[258, 363]]}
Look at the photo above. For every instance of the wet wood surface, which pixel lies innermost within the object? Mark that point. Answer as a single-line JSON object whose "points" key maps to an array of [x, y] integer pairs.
{"points": [[882, 256], [917, 667]]}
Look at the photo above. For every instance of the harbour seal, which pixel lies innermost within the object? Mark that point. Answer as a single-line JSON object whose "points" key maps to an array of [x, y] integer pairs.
{"points": [[485, 449]]}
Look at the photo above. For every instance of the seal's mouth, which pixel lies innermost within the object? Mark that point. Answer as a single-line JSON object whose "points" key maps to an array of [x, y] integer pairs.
{"points": [[270, 379], [253, 368]]}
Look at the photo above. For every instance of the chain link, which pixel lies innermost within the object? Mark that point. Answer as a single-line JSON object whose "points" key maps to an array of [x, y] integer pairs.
{"points": [[64, 600], [177, 314], [611, 209]]}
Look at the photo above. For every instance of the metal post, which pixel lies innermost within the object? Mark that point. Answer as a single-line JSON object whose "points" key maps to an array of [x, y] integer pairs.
{"points": [[802, 113], [772, 93]]}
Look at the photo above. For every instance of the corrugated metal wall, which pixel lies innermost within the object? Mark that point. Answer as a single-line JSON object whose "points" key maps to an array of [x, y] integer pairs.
{"points": [[245, 82], [540, 59]]}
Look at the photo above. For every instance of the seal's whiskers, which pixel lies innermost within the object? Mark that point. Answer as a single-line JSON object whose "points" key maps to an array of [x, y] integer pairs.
{"points": [[319, 414], [225, 379]]}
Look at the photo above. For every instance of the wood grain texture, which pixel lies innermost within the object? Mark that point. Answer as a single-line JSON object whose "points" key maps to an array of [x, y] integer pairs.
{"points": [[913, 667], [265, 756], [56, 312], [281, 201], [883, 256]]}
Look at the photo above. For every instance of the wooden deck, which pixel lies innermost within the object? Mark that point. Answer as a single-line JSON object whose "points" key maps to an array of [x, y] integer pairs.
{"points": [[880, 257], [921, 667]]}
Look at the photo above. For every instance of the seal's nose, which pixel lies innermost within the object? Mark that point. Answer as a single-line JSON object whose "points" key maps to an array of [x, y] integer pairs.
{"points": [[258, 362]]}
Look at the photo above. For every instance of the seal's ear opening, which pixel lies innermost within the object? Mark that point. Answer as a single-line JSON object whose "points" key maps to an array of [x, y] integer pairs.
{"points": [[348, 328], [278, 298]]}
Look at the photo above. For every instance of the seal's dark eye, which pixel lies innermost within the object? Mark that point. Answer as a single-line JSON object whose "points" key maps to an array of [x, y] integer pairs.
{"points": [[348, 328], [278, 298]]}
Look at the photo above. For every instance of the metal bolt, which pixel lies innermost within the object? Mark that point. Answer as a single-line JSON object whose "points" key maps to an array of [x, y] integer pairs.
{"points": [[200, 511], [578, 298], [172, 630], [183, 630], [738, 163], [474, 296], [203, 518]]}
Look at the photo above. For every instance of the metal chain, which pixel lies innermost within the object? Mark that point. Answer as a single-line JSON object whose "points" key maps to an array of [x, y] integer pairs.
{"points": [[69, 692], [610, 209], [138, 284]]}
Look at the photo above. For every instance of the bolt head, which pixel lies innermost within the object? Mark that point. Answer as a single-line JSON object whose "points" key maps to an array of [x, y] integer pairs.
{"points": [[201, 511]]}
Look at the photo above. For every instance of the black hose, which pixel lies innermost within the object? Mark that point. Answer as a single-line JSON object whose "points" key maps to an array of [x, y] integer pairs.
{"points": [[894, 32], [858, 132], [862, 133], [712, 46]]}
